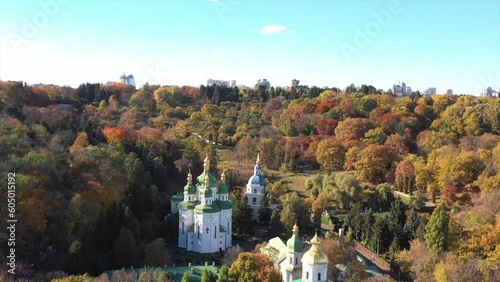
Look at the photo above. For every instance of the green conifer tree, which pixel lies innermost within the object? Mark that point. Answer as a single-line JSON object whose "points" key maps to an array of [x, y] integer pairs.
{"points": [[436, 231]]}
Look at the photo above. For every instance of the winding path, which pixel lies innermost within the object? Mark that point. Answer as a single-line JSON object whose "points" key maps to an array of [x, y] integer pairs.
{"points": [[406, 196]]}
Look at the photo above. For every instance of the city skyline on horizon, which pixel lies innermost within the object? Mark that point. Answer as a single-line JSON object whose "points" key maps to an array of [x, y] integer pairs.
{"points": [[380, 43]]}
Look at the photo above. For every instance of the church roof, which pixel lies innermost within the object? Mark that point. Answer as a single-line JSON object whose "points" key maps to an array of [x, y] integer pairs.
{"points": [[189, 189], [295, 244], [314, 256], [257, 179], [185, 205], [206, 192], [177, 198], [201, 179], [223, 188], [224, 205], [277, 244], [206, 172], [202, 208]]}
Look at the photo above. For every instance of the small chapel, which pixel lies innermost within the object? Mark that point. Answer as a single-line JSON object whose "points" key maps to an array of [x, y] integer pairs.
{"points": [[205, 213], [255, 189], [293, 263]]}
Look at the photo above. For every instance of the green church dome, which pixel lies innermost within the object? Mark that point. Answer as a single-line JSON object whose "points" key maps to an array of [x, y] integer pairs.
{"points": [[295, 244]]}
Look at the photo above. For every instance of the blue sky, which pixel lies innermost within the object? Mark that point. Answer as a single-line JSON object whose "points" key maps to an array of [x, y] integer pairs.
{"points": [[443, 44]]}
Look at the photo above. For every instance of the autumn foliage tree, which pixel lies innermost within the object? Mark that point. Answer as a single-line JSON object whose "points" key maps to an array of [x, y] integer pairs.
{"points": [[253, 267], [119, 133], [330, 154], [405, 176], [81, 141], [374, 163], [326, 126], [352, 128]]}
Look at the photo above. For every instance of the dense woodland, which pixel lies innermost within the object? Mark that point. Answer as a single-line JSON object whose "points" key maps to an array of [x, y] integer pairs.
{"points": [[96, 167]]}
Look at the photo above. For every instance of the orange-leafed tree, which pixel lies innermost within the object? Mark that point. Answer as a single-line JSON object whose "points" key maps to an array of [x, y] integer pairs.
{"points": [[297, 109], [253, 267], [34, 206], [81, 141], [397, 144], [102, 194], [325, 105], [353, 128], [326, 126], [375, 161], [119, 133], [330, 154], [405, 176], [151, 138]]}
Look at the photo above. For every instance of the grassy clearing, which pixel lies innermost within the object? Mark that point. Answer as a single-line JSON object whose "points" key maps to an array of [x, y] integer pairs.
{"points": [[295, 181]]}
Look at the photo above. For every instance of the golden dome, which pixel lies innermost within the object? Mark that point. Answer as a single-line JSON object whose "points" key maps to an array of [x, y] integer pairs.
{"points": [[314, 256]]}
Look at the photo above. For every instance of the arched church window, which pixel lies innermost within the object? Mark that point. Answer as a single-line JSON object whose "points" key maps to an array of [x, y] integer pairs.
{"points": [[215, 232], [307, 275], [255, 191], [182, 229], [319, 276], [296, 260], [254, 200]]}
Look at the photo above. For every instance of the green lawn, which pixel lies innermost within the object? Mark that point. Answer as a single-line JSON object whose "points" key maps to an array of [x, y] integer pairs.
{"points": [[295, 181]]}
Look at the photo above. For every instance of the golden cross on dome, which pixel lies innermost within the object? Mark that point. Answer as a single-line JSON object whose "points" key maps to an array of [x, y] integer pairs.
{"points": [[206, 164], [190, 177], [295, 229], [223, 177]]}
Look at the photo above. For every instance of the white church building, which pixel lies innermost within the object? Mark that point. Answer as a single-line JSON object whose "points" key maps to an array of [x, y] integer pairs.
{"points": [[293, 263], [256, 188], [205, 214]]}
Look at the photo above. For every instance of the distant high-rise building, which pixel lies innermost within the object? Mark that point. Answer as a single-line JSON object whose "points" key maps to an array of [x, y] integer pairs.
{"points": [[127, 79], [430, 91], [228, 83], [401, 90], [296, 85], [449, 91], [488, 92], [397, 90], [263, 82]]}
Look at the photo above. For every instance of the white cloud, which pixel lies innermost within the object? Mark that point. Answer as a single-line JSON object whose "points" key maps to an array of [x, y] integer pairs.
{"points": [[273, 29]]}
